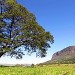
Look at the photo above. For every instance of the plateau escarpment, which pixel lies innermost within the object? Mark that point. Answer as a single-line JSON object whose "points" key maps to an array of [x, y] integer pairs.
{"points": [[64, 56], [67, 55]]}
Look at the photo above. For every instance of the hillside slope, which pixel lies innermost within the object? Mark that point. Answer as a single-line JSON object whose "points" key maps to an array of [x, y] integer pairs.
{"points": [[66, 56]]}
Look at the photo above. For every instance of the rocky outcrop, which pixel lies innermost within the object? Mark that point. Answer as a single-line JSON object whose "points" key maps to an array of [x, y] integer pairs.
{"points": [[66, 53], [65, 56]]}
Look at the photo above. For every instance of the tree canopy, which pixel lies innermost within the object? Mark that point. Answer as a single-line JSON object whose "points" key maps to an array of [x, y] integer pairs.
{"points": [[18, 27]]}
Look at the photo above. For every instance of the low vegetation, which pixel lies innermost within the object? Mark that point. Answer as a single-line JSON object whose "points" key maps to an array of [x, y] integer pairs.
{"points": [[56, 69]]}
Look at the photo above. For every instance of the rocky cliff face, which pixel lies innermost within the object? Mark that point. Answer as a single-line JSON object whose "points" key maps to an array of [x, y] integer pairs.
{"points": [[65, 56], [66, 53]]}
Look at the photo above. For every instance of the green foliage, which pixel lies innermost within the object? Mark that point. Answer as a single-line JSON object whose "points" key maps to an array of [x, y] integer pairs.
{"points": [[70, 60], [44, 70], [18, 27], [32, 65]]}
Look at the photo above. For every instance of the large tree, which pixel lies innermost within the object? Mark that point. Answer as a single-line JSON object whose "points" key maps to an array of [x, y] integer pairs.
{"points": [[18, 27]]}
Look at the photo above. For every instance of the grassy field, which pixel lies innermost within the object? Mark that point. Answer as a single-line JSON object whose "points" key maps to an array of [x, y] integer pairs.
{"points": [[39, 70]]}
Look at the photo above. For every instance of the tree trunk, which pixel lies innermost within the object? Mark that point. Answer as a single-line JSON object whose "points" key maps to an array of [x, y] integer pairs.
{"points": [[1, 9], [1, 53], [12, 22]]}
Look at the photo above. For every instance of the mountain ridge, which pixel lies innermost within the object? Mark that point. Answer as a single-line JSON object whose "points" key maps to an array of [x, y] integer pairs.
{"points": [[64, 53], [64, 56]]}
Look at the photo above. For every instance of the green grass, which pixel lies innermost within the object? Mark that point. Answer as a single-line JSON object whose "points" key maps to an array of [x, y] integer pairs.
{"points": [[40, 70]]}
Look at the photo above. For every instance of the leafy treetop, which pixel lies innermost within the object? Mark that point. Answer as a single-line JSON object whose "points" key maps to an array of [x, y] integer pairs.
{"points": [[18, 27]]}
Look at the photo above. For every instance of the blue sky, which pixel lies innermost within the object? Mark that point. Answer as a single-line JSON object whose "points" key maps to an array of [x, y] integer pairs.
{"points": [[57, 17]]}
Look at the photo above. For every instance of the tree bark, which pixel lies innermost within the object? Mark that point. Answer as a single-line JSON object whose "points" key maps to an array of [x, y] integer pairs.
{"points": [[1, 9], [12, 22], [1, 53]]}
